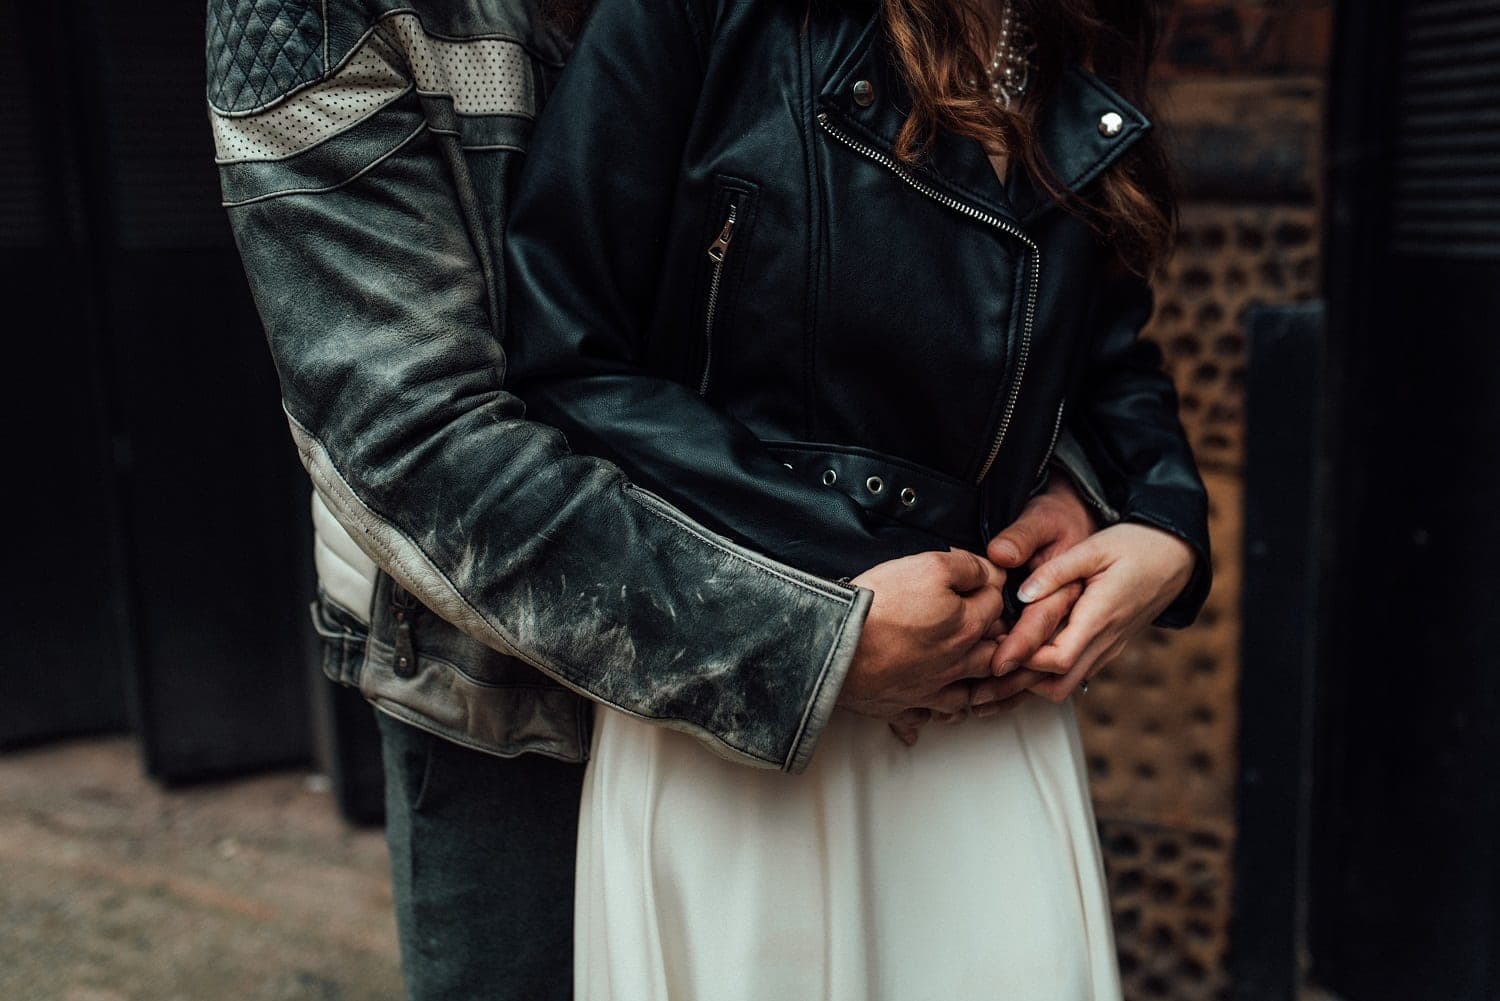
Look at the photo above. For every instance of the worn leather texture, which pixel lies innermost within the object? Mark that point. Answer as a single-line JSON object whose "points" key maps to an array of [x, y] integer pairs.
{"points": [[531, 579], [718, 270]]}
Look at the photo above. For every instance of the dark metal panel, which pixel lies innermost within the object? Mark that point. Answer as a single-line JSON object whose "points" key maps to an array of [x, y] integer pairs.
{"points": [[62, 635], [1447, 122], [62, 667], [215, 502], [1404, 877], [352, 754], [1278, 651], [216, 516], [1408, 870]]}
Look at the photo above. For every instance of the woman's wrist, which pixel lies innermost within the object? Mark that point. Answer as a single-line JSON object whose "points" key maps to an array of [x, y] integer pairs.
{"points": [[1060, 484]]}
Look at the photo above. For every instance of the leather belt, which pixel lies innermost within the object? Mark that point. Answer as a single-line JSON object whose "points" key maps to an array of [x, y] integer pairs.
{"points": [[893, 488]]}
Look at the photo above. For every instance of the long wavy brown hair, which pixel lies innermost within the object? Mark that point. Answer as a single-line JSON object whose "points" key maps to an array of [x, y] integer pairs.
{"points": [[937, 45]]}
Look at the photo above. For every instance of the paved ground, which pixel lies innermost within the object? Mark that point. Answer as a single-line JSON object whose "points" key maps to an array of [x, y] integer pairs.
{"points": [[112, 889]]}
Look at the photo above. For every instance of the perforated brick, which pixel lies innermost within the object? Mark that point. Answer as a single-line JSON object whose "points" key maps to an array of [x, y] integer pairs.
{"points": [[1228, 259]]}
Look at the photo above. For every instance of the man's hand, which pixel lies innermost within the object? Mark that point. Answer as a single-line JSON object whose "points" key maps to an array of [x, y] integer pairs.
{"points": [[1053, 522], [927, 633]]}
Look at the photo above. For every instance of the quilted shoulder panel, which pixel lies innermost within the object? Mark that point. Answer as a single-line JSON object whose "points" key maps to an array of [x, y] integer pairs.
{"points": [[261, 50]]}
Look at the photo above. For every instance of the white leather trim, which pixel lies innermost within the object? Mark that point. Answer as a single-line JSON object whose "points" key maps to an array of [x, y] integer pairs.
{"points": [[345, 573], [482, 76], [372, 78]]}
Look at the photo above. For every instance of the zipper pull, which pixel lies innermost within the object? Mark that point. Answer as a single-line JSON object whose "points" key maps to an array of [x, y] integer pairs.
{"points": [[720, 246], [406, 651], [402, 608]]}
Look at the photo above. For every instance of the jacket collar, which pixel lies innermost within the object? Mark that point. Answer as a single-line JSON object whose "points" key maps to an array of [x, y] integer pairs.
{"points": [[1069, 130]]}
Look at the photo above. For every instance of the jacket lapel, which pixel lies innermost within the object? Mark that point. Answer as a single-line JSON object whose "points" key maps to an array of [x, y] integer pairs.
{"points": [[1084, 128], [1079, 138], [867, 96]]}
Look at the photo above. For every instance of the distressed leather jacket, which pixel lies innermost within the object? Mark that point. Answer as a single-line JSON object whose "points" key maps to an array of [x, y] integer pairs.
{"points": [[477, 578], [722, 279]]}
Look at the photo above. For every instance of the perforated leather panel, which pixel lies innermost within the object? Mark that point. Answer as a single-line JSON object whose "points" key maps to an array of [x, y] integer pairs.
{"points": [[483, 76]]}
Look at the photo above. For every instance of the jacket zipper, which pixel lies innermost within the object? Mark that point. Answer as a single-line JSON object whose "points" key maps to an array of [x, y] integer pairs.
{"points": [[717, 252], [1052, 445], [989, 219]]}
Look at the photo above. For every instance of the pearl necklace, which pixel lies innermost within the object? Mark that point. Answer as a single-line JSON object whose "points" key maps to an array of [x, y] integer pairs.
{"points": [[1009, 69]]}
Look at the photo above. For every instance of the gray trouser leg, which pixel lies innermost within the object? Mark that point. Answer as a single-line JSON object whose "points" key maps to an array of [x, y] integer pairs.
{"points": [[482, 852]]}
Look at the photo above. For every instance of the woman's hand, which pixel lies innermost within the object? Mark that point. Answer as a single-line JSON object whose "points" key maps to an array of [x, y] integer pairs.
{"points": [[1052, 522], [1130, 573]]}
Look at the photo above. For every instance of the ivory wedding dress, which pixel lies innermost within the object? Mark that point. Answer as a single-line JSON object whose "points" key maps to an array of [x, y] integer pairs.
{"points": [[965, 867]]}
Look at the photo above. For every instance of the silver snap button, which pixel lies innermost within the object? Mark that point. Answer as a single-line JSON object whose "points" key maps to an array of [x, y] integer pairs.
{"points": [[1111, 124], [874, 484], [864, 93], [830, 477], [908, 497]]}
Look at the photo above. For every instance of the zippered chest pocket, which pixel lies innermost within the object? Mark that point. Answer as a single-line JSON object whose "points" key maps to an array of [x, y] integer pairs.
{"points": [[727, 249]]}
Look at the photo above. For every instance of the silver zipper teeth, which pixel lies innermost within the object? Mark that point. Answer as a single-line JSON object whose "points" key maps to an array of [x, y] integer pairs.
{"points": [[1052, 445], [1033, 286], [713, 308]]}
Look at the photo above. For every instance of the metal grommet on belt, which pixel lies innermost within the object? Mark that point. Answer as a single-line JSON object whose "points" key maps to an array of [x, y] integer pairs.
{"points": [[874, 484], [908, 496], [830, 477]]}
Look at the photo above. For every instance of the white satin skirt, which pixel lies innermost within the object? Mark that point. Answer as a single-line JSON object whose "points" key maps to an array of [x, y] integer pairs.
{"points": [[965, 867]]}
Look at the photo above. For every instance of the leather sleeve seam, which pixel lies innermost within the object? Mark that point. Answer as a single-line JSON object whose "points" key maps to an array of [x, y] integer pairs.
{"points": [[822, 681], [332, 187]]}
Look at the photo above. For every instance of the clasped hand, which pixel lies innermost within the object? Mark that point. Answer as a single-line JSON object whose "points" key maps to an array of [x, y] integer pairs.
{"points": [[935, 644]]}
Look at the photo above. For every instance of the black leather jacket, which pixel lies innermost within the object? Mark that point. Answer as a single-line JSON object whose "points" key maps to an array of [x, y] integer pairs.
{"points": [[478, 580], [722, 279]]}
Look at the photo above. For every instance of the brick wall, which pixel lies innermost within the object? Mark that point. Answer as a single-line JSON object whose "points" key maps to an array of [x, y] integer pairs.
{"points": [[1240, 97]]}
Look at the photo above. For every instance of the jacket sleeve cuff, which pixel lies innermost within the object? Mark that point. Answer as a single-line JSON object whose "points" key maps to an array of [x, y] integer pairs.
{"points": [[830, 683], [1184, 609], [1068, 456]]}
